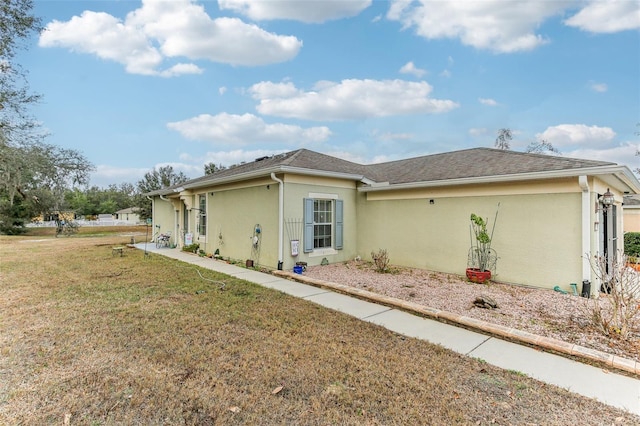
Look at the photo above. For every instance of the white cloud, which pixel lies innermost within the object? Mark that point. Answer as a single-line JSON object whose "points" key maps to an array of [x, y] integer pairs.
{"points": [[607, 16], [623, 154], [349, 99], [487, 101], [113, 174], [478, 131], [105, 175], [181, 69], [304, 11], [389, 136], [578, 134], [222, 90], [498, 25], [169, 29], [245, 129], [598, 87], [228, 158], [106, 37], [410, 68]]}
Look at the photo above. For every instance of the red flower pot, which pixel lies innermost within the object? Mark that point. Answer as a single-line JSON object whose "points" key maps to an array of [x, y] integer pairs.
{"points": [[477, 276]]}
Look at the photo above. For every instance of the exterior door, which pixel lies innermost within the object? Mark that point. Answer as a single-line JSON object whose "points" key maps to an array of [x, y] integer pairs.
{"points": [[609, 235]]}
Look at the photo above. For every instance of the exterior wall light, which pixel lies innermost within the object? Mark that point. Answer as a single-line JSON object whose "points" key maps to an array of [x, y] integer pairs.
{"points": [[607, 198], [604, 201]]}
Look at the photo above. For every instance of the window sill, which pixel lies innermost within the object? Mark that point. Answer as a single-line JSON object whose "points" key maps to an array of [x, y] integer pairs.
{"points": [[323, 252]]}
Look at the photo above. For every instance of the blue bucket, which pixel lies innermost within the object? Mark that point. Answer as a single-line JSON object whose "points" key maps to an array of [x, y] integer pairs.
{"points": [[297, 269]]}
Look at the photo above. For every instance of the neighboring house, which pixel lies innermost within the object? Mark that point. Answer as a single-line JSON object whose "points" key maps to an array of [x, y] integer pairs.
{"points": [[130, 214], [631, 213], [303, 206]]}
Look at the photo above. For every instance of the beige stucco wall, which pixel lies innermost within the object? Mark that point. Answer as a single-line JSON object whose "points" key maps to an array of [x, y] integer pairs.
{"points": [[299, 187], [164, 218], [631, 219], [537, 236], [233, 211]]}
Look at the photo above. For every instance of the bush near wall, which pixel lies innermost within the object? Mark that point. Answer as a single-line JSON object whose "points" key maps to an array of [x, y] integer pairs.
{"points": [[632, 244]]}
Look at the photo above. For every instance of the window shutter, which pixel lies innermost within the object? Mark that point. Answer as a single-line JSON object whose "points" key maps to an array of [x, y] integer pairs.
{"points": [[339, 224], [308, 225]]}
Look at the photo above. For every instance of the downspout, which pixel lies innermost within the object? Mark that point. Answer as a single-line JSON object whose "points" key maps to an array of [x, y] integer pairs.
{"points": [[280, 218], [586, 227], [153, 217]]}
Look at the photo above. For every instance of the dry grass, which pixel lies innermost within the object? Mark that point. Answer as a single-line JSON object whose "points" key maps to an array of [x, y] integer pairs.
{"points": [[133, 340]]}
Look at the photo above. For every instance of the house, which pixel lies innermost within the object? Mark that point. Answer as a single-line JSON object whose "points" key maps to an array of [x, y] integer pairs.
{"points": [[303, 206], [631, 213], [130, 214]]}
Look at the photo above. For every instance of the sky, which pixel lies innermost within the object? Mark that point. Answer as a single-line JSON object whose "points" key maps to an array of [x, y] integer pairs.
{"points": [[135, 85]]}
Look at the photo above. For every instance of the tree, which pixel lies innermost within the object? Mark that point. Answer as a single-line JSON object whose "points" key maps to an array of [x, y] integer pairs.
{"points": [[503, 139], [163, 177], [94, 200], [211, 168], [16, 26], [33, 174], [542, 147]]}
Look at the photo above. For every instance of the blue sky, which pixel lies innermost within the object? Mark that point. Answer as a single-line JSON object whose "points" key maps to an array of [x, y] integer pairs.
{"points": [[140, 84]]}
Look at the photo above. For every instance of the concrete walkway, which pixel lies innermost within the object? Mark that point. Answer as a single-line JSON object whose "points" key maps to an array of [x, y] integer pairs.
{"points": [[594, 382]]}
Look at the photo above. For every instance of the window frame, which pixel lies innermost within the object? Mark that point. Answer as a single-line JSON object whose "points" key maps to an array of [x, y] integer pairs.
{"points": [[311, 225], [202, 215]]}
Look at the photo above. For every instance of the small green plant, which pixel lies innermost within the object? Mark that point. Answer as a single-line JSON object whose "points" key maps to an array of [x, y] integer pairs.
{"points": [[381, 260], [191, 248], [481, 255], [632, 244]]}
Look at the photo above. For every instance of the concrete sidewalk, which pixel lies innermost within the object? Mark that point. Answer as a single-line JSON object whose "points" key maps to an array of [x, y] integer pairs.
{"points": [[610, 388]]}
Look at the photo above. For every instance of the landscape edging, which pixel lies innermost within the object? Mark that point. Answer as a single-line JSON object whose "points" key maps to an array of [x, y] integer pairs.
{"points": [[551, 344]]}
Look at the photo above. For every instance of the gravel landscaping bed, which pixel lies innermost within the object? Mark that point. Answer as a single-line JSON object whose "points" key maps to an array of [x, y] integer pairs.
{"points": [[543, 312]]}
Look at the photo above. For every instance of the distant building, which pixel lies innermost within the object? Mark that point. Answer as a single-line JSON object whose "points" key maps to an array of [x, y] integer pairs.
{"points": [[130, 214], [631, 213]]}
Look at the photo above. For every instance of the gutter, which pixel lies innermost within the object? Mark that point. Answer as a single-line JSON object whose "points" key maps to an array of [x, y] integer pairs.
{"points": [[280, 218], [621, 172]]}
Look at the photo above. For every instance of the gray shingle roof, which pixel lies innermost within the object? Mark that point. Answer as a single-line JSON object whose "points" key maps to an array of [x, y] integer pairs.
{"points": [[469, 163], [630, 200], [475, 162]]}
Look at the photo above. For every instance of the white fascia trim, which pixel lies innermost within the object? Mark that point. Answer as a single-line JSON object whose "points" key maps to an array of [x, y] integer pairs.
{"points": [[622, 172], [267, 172]]}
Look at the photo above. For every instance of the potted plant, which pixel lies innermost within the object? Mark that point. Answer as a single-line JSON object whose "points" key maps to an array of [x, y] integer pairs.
{"points": [[482, 258]]}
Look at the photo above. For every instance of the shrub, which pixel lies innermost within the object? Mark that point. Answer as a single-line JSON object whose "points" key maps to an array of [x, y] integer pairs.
{"points": [[381, 260], [632, 244], [191, 248], [619, 313]]}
